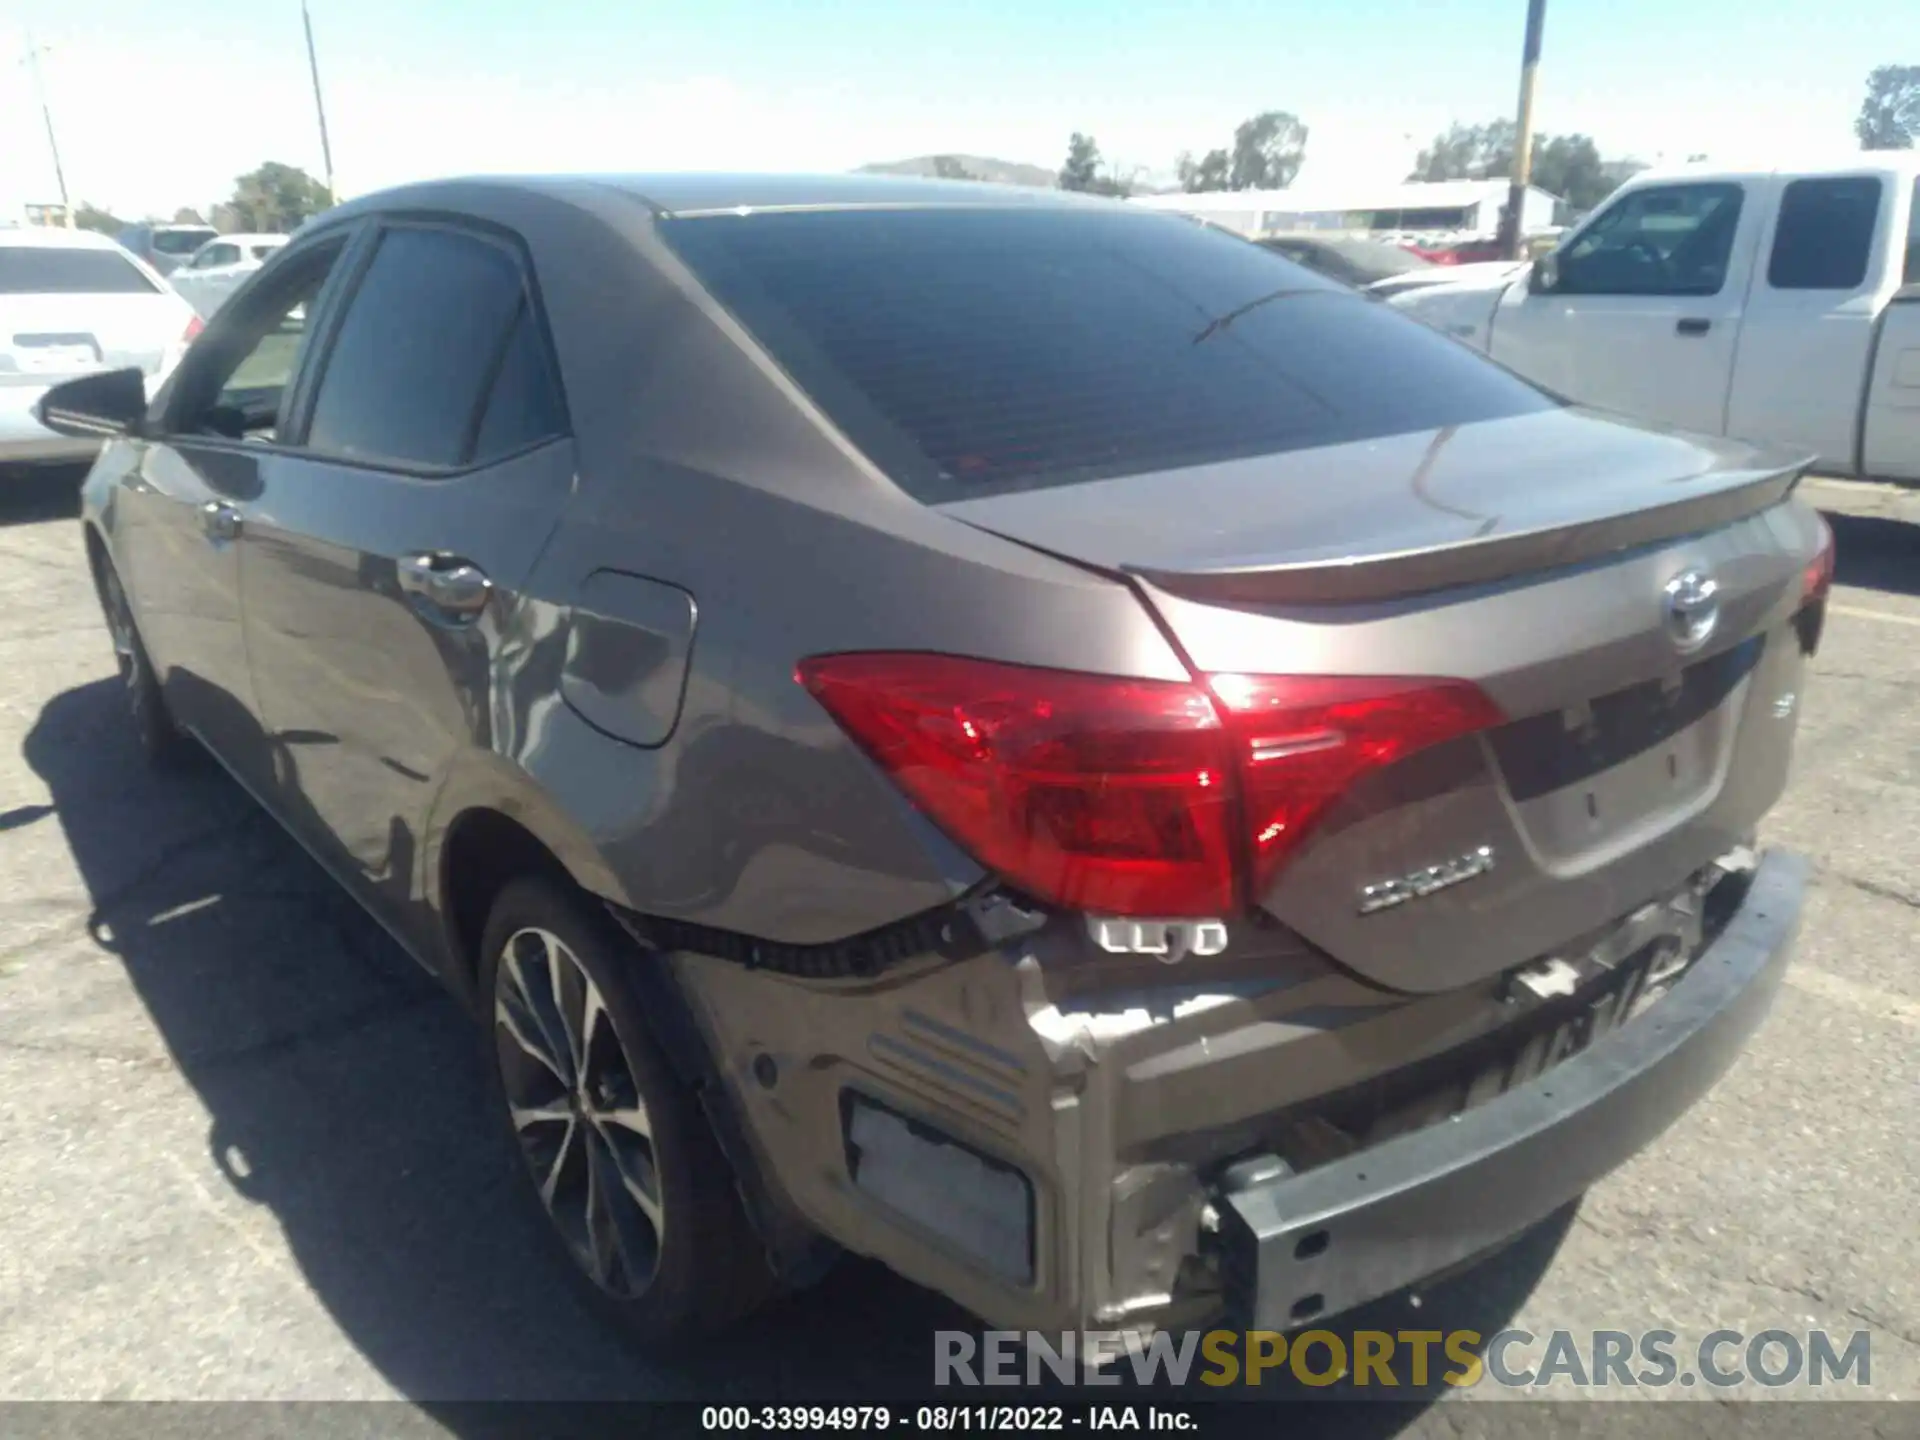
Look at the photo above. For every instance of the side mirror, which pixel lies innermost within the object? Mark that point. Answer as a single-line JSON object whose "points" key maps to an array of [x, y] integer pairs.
{"points": [[104, 404], [1544, 278]]}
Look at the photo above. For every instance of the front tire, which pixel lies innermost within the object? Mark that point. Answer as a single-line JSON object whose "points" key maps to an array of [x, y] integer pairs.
{"points": [[614, 1148], [163, 745]]}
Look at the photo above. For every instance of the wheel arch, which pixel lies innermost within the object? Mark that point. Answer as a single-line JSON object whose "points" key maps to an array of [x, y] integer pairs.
{"points": [[492, 825]]}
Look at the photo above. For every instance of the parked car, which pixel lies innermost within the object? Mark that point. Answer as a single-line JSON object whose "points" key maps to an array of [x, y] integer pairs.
{"points": [[1350, 259], [72, 303], [215, 270], [164, 247], [994, 729], [1766, 305]]}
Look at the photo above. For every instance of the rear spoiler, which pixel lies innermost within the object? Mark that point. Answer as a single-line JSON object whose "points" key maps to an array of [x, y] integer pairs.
{"points": [[1478, 560]]}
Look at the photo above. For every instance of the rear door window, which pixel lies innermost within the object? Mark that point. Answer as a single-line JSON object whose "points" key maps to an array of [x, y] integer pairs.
{"points": [[51, 270], [1912, 274], [1825, 233], [425, 337], [970, 351]]}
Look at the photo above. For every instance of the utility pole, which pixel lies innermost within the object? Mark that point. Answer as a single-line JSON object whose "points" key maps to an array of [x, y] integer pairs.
{"points": [[1514, 220], [319, 108], [46, 114]]}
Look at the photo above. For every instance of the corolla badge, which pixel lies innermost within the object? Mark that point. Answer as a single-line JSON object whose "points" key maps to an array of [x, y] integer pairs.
{"points": [[1690, 608], [1386, 894]]}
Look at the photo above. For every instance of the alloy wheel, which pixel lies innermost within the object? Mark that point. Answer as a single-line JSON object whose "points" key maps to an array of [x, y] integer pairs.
{"points": [[577, 1112]]}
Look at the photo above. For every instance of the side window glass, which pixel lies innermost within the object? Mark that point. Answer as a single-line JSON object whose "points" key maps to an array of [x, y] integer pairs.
{"points": [[1912, 275], [1663, 240], [523, 406], [238, 374], [417, 349], [1824, 233]]}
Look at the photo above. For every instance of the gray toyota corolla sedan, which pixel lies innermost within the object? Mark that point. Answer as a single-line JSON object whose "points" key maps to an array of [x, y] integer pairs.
{"points": [[1039, 742]]}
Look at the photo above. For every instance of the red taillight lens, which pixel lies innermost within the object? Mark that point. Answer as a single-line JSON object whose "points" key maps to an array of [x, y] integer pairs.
{"points": [[1126, 797], [1092, 792], [194, 327], [1817, 579], [1301, 741]]}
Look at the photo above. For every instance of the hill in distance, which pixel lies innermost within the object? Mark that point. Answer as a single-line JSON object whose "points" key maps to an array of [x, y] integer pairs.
{"points": [[978, 167]]}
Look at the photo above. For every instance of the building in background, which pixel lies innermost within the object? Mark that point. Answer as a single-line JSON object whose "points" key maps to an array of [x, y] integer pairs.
{"points": [[1456, 210]]}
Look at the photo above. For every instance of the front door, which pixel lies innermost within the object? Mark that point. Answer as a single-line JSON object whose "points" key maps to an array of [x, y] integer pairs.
{"points": [[217, 434], [1645, 313], [434, 459]]}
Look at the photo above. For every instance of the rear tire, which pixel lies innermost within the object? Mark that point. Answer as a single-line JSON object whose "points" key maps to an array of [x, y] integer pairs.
{"points": [[163, 745], [616, 1155]]}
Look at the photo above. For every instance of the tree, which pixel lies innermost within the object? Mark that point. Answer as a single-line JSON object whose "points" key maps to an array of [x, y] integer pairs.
{"points": [[1468, 152], [1570, 166], [1082, 170], [187, 215], [1267, 151], [92, 217], [275, 198], [947, 167], [1890, 114], [1565, 165], [1210, 172], [1085, 171]]}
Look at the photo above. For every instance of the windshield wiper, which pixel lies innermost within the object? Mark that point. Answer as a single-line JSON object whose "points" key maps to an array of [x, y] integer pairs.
{"points": [[1221, 322]]}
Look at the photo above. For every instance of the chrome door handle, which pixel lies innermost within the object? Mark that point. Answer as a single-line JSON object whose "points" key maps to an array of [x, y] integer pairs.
{"points": [[220, 520], [444, 588]]}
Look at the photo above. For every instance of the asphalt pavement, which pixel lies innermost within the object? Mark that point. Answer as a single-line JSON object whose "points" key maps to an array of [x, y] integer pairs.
{"points": [[242, 1154]]}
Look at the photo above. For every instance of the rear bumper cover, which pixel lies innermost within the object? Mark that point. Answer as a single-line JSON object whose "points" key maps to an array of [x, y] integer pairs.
{"points": [[1342, 1234]]}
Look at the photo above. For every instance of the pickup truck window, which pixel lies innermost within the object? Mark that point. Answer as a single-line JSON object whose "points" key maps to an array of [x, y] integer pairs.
{"points": [[1824, 233], [1661, 240], [1912, 275]]}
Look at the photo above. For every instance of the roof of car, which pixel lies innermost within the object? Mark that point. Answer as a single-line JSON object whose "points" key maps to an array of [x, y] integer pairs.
{"points": [[248, 238], [54, 237], [695, 194]]}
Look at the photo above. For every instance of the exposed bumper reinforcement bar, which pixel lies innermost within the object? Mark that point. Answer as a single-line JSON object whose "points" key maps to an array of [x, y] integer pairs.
{"points": [[1353, 1230]]}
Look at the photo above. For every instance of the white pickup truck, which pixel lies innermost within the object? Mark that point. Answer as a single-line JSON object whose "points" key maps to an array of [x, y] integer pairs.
{"points": [[1766, 305]]}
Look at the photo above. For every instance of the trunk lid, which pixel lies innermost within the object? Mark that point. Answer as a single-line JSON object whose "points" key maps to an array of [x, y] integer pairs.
{"points": [[1534, 558]]}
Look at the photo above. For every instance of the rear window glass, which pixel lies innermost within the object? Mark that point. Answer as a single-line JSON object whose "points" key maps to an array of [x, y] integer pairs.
{"points": [[34, 270], [972, 351], [181, 242], [1824, 234]]}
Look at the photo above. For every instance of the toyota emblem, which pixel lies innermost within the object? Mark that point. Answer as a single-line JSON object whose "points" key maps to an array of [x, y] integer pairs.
{"points": [[1691, 608]]}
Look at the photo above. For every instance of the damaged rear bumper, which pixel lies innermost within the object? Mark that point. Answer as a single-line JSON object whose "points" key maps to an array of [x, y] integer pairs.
{"points": [[1056, 1144], [1348, 1232]]}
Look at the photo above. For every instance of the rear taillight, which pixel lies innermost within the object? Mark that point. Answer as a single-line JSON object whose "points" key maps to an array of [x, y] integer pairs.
{"points": [[1129, 797], [194, 327], [1817, 579], [1301, 741]]}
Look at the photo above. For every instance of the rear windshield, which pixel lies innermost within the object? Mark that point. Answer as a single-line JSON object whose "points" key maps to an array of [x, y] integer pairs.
{"points": [[974, 351], [181, 242], [37, 270]]}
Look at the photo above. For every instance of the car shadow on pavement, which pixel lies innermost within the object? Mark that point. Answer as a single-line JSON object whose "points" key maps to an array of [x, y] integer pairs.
{"points": [[33, 493], [344, 1090], [1874, 552]]}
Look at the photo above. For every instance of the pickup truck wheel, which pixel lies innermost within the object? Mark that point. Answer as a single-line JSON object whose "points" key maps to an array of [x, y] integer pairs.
{"points": [[616, 1152], [162, 744]]}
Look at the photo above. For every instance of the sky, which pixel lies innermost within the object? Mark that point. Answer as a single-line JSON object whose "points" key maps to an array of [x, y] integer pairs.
{"points": [[158, 105]]}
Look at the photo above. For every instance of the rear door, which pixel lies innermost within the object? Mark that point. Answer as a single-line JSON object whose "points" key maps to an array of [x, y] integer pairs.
{"points": [[1808, 334], [435, 459], [1647, 308], [1890, 448]]}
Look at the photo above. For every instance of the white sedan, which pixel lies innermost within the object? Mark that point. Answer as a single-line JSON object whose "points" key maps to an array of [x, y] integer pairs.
{"points": [[218, 267], [72, 302]]}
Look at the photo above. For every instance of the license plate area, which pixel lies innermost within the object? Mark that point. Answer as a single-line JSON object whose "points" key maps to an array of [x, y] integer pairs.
{"points": [[1605, 775], [56, 354]]}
